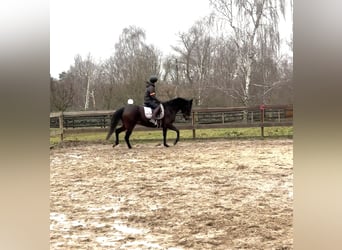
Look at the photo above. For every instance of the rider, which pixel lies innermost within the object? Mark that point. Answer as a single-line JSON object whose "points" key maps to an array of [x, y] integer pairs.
{"points": [[150, 99]]}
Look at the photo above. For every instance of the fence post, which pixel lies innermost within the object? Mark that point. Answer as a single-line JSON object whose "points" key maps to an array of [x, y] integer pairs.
{"points": [[61, 127], [193, 125], [262, 115]]}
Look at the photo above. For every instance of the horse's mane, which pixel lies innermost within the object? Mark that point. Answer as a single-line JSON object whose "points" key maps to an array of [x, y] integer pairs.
{"points": [[175, 101]]}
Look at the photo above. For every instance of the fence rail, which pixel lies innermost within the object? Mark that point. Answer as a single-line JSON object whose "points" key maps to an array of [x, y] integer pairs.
{"points": [[201, 118]]}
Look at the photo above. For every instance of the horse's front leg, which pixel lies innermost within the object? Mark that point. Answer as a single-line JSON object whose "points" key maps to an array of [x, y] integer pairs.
{"points": [[177, 133]]}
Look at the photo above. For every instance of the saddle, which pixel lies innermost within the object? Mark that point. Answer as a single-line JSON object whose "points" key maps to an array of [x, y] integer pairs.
{"points": [[148, 112]]}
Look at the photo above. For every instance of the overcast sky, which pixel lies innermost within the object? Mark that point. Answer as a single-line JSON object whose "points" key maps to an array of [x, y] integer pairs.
{"points": [[94, 26]]}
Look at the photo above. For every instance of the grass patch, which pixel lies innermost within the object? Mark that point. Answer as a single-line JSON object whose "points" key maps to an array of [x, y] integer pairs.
{"points": [[141, 136]]}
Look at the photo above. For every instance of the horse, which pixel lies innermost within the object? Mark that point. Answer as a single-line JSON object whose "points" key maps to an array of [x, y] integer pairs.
{"points": [[131, 115]]}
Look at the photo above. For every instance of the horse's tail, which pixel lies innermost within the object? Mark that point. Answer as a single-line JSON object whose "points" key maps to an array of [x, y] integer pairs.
{"points": [[114, 122]]}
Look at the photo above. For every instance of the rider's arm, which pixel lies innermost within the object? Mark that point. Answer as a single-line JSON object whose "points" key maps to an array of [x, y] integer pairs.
{"points": [[153, 93]]}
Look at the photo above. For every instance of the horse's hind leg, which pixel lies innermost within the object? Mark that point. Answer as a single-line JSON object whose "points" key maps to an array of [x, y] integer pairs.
{"points": [[117, 132], [128, 134], [164, 137]]}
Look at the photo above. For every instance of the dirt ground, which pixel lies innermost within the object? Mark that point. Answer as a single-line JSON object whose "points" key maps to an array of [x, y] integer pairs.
{"points": [[224, 194]]}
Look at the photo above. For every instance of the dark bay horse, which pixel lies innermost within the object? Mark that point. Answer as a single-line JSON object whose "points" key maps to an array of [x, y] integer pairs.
{"points": [[131, 115]]}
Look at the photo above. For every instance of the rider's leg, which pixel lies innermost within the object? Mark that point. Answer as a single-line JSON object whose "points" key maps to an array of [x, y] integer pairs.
{"points": [[155, 112]]}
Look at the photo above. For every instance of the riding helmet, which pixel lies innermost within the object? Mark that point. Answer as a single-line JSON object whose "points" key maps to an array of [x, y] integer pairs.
{"points": [[153, 79]]}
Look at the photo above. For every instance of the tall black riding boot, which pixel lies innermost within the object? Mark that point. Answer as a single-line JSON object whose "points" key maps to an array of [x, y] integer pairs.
{"points": [[155, 112]]}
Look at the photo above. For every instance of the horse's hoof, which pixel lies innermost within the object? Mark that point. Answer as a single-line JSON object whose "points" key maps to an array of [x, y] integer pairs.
{"points": [[166, 145]]}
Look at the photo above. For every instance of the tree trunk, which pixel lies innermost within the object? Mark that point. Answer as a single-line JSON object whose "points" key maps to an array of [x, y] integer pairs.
{"points": [[86, 105], [199, 94], [93, 98], [247, 82]]}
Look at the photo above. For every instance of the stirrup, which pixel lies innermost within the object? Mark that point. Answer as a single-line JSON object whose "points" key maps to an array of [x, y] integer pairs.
{"points": [[155, 122]]}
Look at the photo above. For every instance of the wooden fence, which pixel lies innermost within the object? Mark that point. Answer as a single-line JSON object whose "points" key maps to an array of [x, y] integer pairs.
{"points": [[201, 118]]}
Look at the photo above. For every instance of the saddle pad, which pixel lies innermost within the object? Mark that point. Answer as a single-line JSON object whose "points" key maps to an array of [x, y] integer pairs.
{"points": [[148, 112]]}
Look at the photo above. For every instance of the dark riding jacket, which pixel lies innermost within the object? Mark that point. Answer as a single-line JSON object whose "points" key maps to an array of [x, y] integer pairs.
{"points": [[150, 99]]}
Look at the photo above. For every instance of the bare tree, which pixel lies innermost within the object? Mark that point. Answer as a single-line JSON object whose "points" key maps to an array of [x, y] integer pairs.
{"points": [[133, 62], [61, 93], [239, 66], [250, 20], [195, 57], [86, 70], [224, 65], [109, 85]]}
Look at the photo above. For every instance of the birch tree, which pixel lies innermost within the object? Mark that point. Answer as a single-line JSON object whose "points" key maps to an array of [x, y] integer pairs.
{"points": [[249, 20], [86, 69]]}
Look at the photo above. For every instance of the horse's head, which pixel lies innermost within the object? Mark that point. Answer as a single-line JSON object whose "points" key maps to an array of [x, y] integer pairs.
{"points": [[186, 109]]}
